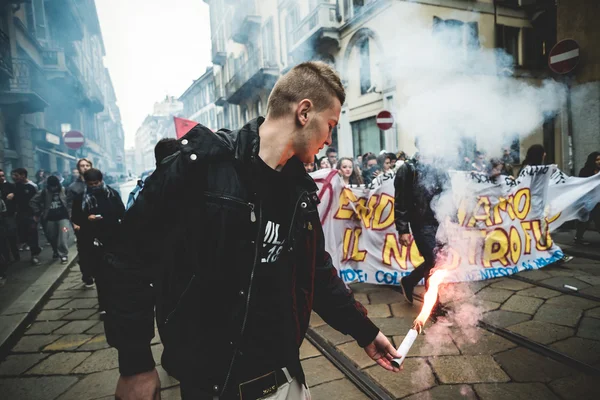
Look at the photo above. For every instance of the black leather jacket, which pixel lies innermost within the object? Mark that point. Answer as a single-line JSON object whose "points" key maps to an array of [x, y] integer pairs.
{"points": [[416, 185], [191, 249]]}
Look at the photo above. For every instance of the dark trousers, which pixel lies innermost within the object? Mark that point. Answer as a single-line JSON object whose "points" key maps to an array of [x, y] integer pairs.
{"points": [[98, 270], [583, 226], [191, 392], [28, 233], [85, 250], [424, 237], [3, 255], [10, 234]]}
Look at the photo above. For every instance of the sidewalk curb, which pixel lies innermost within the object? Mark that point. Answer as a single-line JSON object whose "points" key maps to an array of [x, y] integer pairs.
{"points": [[22, 311]]}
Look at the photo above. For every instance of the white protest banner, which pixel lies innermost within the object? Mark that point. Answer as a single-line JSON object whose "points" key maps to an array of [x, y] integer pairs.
{"points": [[572, 198], [500, 228]]}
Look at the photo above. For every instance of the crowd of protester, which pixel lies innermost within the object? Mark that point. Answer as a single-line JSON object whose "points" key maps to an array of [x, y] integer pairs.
{"points": [[60, 204], [361, 170]]}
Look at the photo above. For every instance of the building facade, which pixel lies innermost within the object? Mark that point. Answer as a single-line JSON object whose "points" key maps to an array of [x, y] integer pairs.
{"points": [[253, 42], [52, 80], [159, 125], [199, 101]]}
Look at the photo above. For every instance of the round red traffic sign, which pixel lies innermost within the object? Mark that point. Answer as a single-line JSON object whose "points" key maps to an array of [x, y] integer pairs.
{"points": [[74, 139], [385, 120], [564, 56]]}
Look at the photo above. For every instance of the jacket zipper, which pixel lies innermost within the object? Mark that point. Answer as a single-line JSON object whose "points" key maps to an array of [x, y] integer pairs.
{"points": [[256, 253], [189, 284]]}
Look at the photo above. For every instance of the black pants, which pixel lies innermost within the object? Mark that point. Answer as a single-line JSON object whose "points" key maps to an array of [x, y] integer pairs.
{"points": [[3, 254], [425, 239], [98, 270], [28, 233], [85, 250], [191, 392], [10, 235], [583, 226]]}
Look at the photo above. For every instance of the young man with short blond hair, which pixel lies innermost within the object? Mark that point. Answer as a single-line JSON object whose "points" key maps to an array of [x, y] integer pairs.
{"points": [[226, 244]]}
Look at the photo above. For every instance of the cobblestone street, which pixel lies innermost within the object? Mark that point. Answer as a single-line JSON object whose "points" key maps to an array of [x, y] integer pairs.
{"points": [[64, 355]]}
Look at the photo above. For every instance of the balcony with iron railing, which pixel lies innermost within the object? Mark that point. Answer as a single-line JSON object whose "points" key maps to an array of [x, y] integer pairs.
{"points": [[319, 29], [27, 87], [256, 72], [220, 98], [246, 21], [5, 56]]}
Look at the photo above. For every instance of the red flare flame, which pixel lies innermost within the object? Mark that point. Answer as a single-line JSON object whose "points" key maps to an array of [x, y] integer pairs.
{"points": [[430, 298]]}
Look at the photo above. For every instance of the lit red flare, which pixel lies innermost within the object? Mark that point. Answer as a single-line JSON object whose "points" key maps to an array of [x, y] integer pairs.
{"points": [[430, 297]]}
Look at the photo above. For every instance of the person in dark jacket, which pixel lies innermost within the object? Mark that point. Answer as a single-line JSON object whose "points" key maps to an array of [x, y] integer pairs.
{"points": [[26, 224], [225, 244], [98, 212], [85, 244], [50, 208], [591, 168], [7, 191], [416, 185]]}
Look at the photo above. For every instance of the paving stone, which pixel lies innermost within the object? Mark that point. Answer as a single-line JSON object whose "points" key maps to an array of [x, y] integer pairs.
{"points": [[75, 327], [78, 304], [166, 381], [445, 392], [393, 326], [585, 350], [357, 354], [307, 350], [68, 286], [93, 386], [511, 284], [319, 370], [96, 343], [51, 315], [523, 365], [333, 336], [482, 343], [86, 294], [560, 272], [577, 387], [495, 295], [97, 329], [59, 364], [365, 288], [80, 315], [316, 320], [477, 286], [362, 298], [592, 291], [428, 346], [535, 274], [19, 363], [589, 279], [404, 310], [542, 332], [487, 306], [568, 301], [333, 390], [30, 388], [589, 329], [416, 377], [68, 342], [385, 296], [54, 304], [101, 360], [169, 394], [514, 391], [503, 318], [63, 294], [539, 292], [594, 313], [44, 327], [560, 281], [559, 316], [378, 310], [468, 369], [33, 343], [522, 304]]}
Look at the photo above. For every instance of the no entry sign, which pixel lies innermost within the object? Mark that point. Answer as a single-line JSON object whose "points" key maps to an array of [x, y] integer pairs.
{"points": [[385, 120], [74, 139], [564, 56]]}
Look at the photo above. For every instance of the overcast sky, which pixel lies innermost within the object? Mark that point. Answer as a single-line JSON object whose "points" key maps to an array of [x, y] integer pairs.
{"points": [[153, 48]]}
